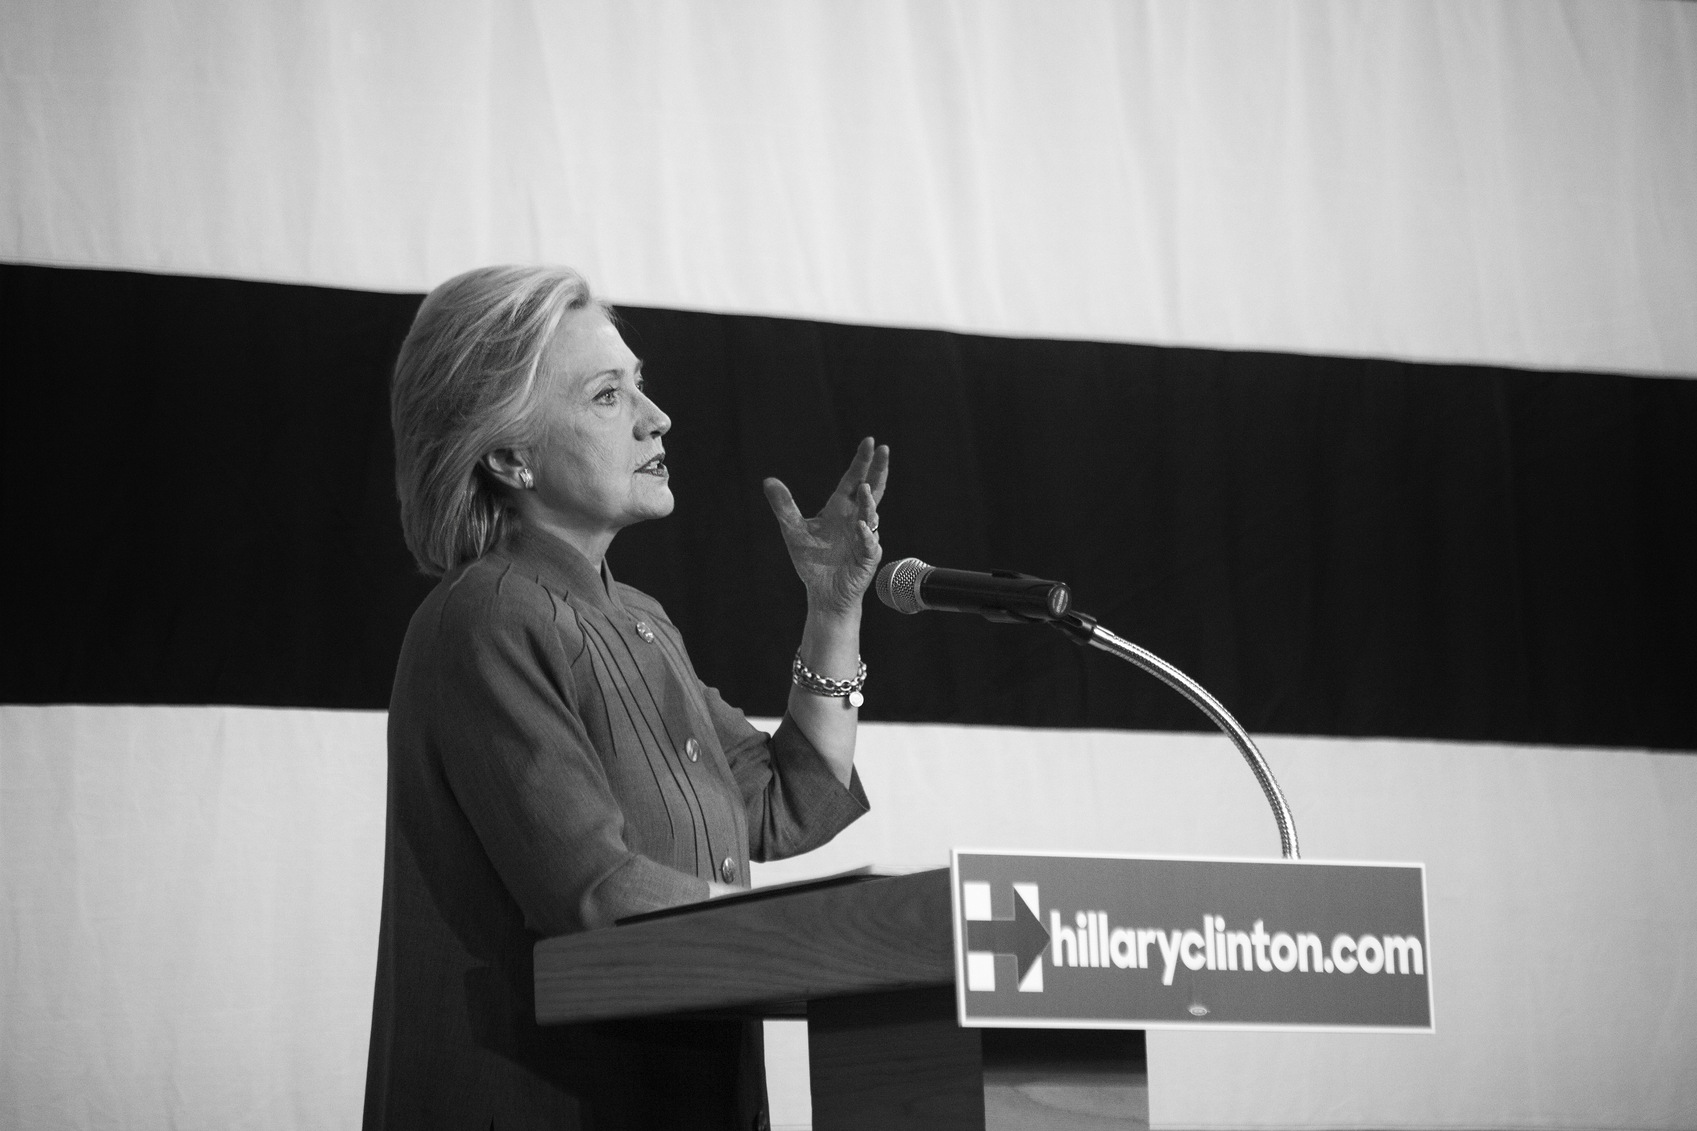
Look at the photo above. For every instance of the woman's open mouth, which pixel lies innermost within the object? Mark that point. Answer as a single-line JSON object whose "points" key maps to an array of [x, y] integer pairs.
{"points": [[655, 466]]}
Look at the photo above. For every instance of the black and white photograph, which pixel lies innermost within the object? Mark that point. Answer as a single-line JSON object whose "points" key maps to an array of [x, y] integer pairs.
{"points": [[808, 565]]}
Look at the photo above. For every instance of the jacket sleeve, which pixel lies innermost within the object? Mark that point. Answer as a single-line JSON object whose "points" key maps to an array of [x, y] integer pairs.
{"points": [[793, 799], [519, 762]]}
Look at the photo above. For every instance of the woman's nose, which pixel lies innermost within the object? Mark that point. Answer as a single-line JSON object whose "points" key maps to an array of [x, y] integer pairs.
{"points": [[652, 422]]}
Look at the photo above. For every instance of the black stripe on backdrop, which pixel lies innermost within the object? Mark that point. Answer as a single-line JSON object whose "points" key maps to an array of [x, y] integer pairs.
{"points": [[200, 510]]}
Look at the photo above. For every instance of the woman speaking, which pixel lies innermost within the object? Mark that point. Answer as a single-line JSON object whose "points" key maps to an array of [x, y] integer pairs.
{"points": [[554, 761]]}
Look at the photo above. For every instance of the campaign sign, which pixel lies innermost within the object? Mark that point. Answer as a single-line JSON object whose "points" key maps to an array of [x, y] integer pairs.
{"points": [[1139, 942]]}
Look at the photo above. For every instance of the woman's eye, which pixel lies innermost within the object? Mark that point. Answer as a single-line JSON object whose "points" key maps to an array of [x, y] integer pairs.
{"points": [[608, 396]]}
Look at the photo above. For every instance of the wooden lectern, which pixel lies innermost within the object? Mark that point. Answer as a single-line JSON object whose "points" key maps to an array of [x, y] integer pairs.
{"points": [[869, 962]]}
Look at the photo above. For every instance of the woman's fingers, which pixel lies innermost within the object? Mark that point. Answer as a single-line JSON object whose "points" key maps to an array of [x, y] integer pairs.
{"points": [[778, 497], [869, 525], [857, 469], [839, 546], [867, 505], [879, 471], [869, 540]]}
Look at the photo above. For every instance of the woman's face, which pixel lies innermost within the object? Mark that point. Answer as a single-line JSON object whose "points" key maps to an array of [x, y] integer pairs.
{"points": [[600, 465]]}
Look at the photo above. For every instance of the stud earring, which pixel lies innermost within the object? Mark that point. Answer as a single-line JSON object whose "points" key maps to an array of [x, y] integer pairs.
{"points": [[526, 479]]}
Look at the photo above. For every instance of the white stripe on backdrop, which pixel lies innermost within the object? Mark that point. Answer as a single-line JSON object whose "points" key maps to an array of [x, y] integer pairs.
{"points": [[1509, 181], [189, 900]]}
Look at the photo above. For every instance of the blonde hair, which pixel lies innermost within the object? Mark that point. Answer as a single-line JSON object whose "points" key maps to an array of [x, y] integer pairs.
{"points": [[465, 385]]}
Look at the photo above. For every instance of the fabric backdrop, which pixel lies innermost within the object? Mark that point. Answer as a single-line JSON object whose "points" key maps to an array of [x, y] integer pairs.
{"points": [[1507, 182], [1333, 351]]}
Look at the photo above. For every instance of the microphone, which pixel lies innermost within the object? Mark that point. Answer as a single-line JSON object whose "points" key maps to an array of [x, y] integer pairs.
{"points": [[911, 586]]}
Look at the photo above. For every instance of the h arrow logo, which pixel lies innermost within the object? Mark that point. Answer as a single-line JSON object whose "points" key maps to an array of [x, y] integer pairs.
{"points": [[1021, 935]]}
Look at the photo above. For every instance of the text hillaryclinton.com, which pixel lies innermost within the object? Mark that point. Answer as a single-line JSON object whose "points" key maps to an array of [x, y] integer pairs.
{"points": [[1093, 942]]}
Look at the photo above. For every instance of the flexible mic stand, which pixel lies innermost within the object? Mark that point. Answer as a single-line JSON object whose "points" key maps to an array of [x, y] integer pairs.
{"points": [[1083, 629], [903, 587]]}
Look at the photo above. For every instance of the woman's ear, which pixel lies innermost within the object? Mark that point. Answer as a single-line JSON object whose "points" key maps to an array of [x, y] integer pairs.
{"points": [[507, 467]]}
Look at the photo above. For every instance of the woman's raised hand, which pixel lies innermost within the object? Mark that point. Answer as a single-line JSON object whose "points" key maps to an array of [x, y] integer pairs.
{"points": [[836, 552]]}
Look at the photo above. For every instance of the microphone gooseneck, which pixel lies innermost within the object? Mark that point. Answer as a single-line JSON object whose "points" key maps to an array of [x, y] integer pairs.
{"points": [[1084, 630], [911, 586]]}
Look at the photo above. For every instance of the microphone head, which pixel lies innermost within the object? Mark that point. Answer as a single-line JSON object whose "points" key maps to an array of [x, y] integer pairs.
{"points": [[898, 585]]}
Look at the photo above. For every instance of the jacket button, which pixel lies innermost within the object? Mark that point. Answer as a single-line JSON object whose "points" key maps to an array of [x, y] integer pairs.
{"points": [[693, 749], [644, 631], [728, 870]]}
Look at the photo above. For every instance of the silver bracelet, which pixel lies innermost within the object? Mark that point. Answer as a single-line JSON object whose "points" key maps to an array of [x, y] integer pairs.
{"points": [[812, 682]]}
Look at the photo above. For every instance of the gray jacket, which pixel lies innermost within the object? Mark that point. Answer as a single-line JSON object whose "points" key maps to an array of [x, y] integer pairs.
{"points": [[556, 764]]}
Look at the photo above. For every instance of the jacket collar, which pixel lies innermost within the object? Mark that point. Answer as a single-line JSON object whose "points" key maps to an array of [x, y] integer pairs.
{"points": [[561, 568]]}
